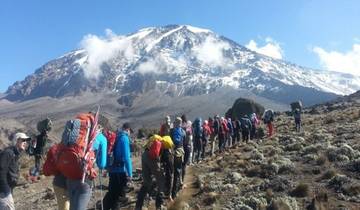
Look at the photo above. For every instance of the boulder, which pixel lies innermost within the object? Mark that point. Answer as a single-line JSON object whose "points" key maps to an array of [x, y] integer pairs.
{"points": [[244, 106]]}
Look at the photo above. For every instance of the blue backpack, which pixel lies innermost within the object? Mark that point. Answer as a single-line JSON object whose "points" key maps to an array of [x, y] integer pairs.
{"points": [[198, 130], [177, 135]]}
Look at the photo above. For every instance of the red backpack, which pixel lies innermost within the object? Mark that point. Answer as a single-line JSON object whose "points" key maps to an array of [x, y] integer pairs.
{"points": [[49, 167], [74, 157], [111, 137], [154, 149]]}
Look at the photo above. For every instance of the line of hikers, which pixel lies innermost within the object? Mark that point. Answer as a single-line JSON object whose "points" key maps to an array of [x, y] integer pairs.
{"points": [[85, 143]]}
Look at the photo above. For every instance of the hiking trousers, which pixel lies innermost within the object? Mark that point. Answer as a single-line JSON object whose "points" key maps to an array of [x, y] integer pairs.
{"points": [[79, 194], [204, 145], [167, 161], [187, 151], [178, 178], [197, 148], [221, 142], [117, 184], [38, 159], [6, 202], [245, 135], [62, 198], [237, 137], [229, 140], [150, 167], [270, 129], [253, 132], [297, 124], [213, 139]]}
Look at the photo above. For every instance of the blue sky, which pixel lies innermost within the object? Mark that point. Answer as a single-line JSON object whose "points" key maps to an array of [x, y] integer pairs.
{"points": [[321, 34]]}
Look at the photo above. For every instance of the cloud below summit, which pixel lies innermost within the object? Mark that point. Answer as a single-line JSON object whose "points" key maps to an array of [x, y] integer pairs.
{"points": [[271, 48], [102, 49], [347, 62]]}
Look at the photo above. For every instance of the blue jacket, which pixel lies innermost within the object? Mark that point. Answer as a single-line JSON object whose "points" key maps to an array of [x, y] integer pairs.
{"points": [[122, 155], [100, 148]]}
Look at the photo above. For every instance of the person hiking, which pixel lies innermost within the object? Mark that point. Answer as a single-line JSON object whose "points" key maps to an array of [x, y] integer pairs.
{"points": [[80, 192], [9, 169], [167, 164], [246, 127], [151, 166], [166, 127], [230, 133], [197, 139], [223, 130], [188, 143], [237, 130], [178, 136], [205, 137], [212, 136], [44, 128], [268, 119], [120, 170], [254, 124], [297, 119], [217, 126]]}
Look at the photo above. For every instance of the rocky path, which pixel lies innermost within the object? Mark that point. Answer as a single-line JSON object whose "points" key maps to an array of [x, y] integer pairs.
{"points": [[186, 193]]}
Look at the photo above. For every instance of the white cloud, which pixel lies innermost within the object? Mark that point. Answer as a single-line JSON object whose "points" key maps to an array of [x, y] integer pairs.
{"points": [[271, 48], [211, 52], [102, 49], [348, 62], [162, 63]]}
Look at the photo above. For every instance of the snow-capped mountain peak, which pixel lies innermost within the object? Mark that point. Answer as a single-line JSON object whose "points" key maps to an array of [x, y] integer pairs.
{"points": [[177, 59]]}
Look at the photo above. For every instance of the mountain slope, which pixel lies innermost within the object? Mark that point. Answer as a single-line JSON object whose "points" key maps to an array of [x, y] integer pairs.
{"points": [[179, 60]]}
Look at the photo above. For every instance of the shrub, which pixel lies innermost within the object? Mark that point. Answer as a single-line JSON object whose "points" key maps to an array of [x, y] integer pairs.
{"points": [[352, 190], [321, 160], [301, 190], [329, 174]]}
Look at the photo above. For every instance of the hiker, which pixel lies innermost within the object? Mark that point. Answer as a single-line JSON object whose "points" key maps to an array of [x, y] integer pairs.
{"points": [[178, 136], [223, 130], [166, 127], [237, 130], [205, 137], [43, 127], [80, 192], [59, 181], [230, 133], [254, 124], [212, 136], [120, 170], [188, 143], [9, 169], [197, 139], [268, 119], [150, 164], [167, 164], [297, 118], [246, 127], [217, 125]]}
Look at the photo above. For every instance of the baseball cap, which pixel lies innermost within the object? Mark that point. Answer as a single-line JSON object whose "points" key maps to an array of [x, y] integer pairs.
{"points": [[20, 135]]}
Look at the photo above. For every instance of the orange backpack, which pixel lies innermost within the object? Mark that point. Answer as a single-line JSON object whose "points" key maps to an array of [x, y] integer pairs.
{"points": [[74, 157]]}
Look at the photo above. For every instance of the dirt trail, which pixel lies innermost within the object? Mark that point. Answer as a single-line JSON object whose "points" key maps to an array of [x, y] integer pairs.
{"points": [[186, 193]]}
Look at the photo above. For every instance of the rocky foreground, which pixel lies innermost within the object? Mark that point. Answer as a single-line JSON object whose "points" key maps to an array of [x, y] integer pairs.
{"points": [[318, 168]]}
